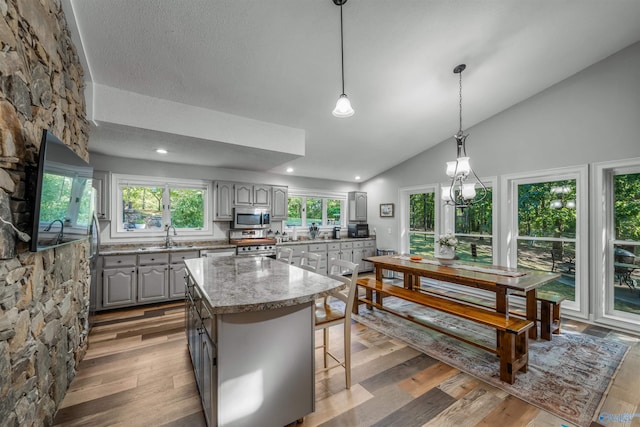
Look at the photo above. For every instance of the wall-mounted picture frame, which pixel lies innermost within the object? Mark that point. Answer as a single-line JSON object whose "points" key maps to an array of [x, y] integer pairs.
{"points": [[386, 210]]}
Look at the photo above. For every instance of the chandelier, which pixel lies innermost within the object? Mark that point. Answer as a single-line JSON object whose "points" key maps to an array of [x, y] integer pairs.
{"points": [[343, 106], [560, 193], [461, 193]]}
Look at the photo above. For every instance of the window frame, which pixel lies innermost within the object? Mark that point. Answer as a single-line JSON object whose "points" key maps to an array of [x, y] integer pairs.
{"points": [[324, 196], [509, 253], [602, 229], [119, 180]]}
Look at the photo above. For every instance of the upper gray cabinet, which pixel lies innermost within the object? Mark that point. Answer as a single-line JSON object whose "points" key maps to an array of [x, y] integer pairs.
{"points": [[252, 195], [357, 206], [279, 203], [223, 210], [102, 183]]}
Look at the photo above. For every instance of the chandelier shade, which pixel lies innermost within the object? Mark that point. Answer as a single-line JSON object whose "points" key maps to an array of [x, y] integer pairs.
{"points": [[462, 193]]}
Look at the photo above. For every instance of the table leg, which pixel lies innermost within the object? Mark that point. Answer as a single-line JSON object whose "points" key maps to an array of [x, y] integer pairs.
{"points": [[532, 313], [502, 306], [379, 279]]}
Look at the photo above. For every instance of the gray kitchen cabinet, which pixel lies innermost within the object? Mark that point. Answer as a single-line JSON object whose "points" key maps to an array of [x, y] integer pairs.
{"points": [[153, 277], [102, 183], [358, 254], [346, 252], [177, 272], [320, 249], [369, 251], [357, 206], [224, 201], [252, 195], [279, 203], [119, 281]]}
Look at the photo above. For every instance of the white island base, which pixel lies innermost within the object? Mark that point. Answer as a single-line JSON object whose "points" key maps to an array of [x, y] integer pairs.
{"points": [[265, 366]]}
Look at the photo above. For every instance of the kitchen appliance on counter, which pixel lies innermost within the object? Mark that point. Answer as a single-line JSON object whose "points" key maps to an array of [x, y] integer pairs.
{"points": [[358, 230], [336, 233], [253, 242], [251, 218]]}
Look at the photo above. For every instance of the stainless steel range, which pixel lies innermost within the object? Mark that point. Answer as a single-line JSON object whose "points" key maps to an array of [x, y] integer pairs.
{"points": [[252, 242]]}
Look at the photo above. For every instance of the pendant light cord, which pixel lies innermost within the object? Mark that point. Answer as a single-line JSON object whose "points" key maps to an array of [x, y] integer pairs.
{"points": [[342, 47], [460, 89]]}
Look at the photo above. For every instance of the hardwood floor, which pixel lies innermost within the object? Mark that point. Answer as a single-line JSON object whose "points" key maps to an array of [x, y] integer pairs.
{"points": [[137, 372]]}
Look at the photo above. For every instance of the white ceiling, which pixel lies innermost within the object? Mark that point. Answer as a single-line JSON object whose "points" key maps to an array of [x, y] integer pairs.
{"points": [[278, 61]]}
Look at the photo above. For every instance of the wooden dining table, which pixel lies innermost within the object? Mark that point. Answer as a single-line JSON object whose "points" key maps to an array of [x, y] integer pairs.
{"points": [[500, 280]]}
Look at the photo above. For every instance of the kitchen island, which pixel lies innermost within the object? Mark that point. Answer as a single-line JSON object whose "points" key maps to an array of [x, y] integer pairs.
{"points": [[250, 329]]}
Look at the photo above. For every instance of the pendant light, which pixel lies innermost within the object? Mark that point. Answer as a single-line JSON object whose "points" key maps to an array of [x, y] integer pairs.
{"points": [[462, 193], [343, 106]]}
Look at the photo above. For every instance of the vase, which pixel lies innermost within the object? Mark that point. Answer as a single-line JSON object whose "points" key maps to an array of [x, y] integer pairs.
{"points": [[447, 252]]}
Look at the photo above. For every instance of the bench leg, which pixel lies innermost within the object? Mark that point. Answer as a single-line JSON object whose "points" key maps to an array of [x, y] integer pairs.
{"points": [[556, 318], [546, 320], [514, 357]]}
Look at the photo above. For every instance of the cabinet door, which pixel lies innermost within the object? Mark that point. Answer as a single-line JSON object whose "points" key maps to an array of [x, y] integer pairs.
{"points": [[358, 254], [102, 183], [368, 252], [224, 201], [244, 195], [262, 195], [153, 283], [176, 280], [279, 203], [118, 287], [208, 380], [357, 206]]}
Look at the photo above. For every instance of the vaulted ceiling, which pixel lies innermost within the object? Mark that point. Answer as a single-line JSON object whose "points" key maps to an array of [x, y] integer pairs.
{"points": [[251, 84]]}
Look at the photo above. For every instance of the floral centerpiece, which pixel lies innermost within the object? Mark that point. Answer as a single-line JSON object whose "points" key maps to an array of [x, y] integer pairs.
{"points": [[447, 243], [313, 230]]}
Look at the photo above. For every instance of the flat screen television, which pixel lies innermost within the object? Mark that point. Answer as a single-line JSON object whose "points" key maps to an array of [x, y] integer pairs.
{"points": [[63, 201]]}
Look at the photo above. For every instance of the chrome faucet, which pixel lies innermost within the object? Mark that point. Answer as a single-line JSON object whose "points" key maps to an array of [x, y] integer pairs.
{"points": [[168, 242], [60, 235]]}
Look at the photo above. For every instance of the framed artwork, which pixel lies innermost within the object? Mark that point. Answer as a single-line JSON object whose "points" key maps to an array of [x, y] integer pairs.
{"points": [[386, 210]]}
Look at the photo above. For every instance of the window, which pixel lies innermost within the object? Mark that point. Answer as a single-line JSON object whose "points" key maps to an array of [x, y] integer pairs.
{"points": [[305, 208], [474, 230], [422, 220], [147, 205], [548, 217]]}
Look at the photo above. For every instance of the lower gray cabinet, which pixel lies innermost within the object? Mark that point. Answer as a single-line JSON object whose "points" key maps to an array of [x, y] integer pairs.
{"points": [[177, 272], [118, 286], [153, 283]]}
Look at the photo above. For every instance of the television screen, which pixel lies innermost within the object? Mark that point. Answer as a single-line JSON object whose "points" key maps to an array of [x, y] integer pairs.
{"points": [[63, 200]]}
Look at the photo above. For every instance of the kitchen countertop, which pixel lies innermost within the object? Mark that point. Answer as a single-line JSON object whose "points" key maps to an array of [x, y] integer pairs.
{"points": [[316, 241], [129, 248], [244, 284]]}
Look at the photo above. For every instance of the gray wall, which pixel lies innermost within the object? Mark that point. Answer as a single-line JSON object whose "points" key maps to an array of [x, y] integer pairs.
{"points": [[592, 116]]}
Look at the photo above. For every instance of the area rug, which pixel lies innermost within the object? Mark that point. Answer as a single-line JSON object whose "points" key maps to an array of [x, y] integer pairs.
{"points": [[567, 376]]}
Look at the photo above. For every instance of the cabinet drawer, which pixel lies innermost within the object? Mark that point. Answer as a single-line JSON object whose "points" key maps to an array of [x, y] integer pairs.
{"points": [[369, 243], [177, 257], [359, 244], [298, 249], [347, 245], [333, 246], [119, 261], [321, 247], [152, 259]]}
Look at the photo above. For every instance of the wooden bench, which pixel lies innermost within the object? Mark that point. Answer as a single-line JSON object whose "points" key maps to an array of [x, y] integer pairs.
{"points": [[549, 312], [512, 347]]}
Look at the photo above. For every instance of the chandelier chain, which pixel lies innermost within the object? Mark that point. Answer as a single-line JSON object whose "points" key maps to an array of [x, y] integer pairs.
{"points": [[460, 104]]}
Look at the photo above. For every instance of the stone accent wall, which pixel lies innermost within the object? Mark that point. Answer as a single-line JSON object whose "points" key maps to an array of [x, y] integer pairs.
{"points": [[43, 296]]}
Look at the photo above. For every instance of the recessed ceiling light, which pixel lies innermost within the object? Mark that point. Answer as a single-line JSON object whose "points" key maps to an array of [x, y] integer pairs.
{"points": [[357, 177], [161, 151], [289, 170]]}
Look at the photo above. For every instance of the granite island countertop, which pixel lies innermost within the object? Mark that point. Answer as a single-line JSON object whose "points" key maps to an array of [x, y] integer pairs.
{"points": [[243, 284]]}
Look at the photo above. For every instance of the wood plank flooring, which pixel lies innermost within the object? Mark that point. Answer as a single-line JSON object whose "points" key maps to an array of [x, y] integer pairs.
{"points": [[137, 372]]}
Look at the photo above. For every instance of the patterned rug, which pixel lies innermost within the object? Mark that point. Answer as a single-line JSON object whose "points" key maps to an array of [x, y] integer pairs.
{"points": [[567, 376]]}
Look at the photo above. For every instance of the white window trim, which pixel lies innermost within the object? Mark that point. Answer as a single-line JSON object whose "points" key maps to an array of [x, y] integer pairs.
{"points": [[403, 196], [116, 203], [319, 194], [601, 261], [509, 206]]}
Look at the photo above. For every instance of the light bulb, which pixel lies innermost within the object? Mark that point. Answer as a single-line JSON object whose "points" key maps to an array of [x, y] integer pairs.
{"points": [[343, 107], [571, 204], [556, 204]]}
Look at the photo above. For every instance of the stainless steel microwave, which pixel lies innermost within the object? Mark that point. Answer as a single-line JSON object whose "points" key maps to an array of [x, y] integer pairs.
{"points": [[251, 218]]}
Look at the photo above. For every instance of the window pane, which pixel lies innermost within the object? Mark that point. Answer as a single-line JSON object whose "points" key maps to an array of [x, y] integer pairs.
{"points": [[627, 207], [476, 219], [558, 257], [142, 207], [421, 243], [334, 212], [294, 217], [314, 210], [422, 212], [187, 208], [547, 209], [477, 249], [626, 278]]}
